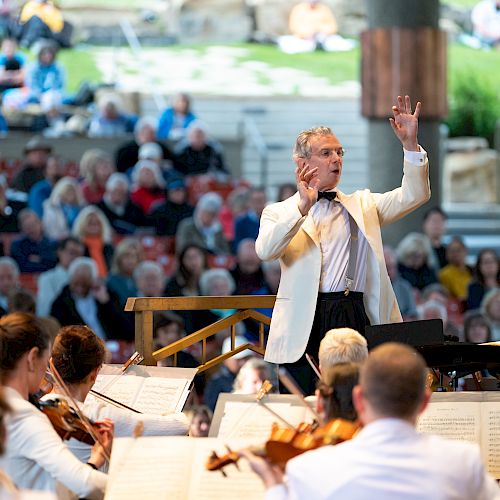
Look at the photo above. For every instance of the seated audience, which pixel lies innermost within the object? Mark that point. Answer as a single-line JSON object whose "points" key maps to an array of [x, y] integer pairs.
{"points": [[109, 120], [224, 378], [152, 151], [251, 376], [388, 458], [434, 227], [92, 228], [165, 217], [128, 255], [236, 205], [85, 300], [485, 18], [247, 274], [33, 252], [149, 279], [456, 275], [341, 345], [51, 283], [148, 186], [285, 191], [402, 288], [123, 215], [200, 417], [186, 280], [12, 65], [62, 208], [96, 168], [21, 300], [414, 260], [247, 225], [204, 228], [9, 280], [36, 154], [175, 120], [78, 354], [198, 155], [486, 277], [35, 456], [435, 309], [477, 328], [490, 308], [127, 154]]}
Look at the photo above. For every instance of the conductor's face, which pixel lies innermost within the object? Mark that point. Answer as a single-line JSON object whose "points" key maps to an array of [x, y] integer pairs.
{"points": [[326, 156]]}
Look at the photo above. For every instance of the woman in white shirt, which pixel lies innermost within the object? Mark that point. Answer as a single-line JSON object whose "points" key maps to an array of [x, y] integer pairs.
{"points": [[35, 456], [78, 354]]}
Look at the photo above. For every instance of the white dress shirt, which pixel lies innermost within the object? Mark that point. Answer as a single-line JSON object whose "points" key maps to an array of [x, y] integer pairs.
{"points": [[50, 285], [389, 460], [36, 458]]}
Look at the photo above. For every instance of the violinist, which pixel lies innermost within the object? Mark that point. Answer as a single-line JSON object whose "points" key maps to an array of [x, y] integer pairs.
{"points": [[36, 457], [388, 459], [77, 355]]}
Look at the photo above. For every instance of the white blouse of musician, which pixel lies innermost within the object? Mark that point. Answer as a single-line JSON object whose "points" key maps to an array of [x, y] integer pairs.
{"points": [[36, 458], [175, 424]]}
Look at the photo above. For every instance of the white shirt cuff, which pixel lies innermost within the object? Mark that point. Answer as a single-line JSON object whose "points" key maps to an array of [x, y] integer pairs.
{"points": [[416, 157], [277, 492]]}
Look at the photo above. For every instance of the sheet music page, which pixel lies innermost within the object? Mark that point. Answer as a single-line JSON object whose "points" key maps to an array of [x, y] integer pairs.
{"points": [[251, 420], [159, 395], [460, 421], [239, 484], [149, 468], [490, 438], [124, 389]]}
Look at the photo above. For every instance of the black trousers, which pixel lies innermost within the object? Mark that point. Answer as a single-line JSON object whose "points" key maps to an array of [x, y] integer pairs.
{"points": [[333, 310]]}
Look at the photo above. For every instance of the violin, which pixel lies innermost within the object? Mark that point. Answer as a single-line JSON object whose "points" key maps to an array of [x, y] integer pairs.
{"points": [[286, 443]]}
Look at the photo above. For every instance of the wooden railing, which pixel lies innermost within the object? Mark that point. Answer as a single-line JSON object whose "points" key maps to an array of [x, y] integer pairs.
{"points": [[144, 307]]}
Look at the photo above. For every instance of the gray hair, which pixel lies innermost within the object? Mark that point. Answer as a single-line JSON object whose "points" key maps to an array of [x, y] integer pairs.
{"points": [[10, 262], [302, 147], [115, 179], [210, 202], [89, 161], [208, 276], [153, 167], [342, 345], [147, 265], [80, 263], [433, 305], [256, 364], [414, 242], [145, 121]]}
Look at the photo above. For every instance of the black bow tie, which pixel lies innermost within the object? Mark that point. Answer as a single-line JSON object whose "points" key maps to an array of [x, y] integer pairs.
{"points": [[327, 195]]}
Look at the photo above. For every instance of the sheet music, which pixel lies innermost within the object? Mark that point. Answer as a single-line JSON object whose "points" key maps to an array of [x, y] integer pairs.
{"points": [[251, 420], [159, 395], [124, 389], [150, 468], [490, 442], [452, 420]]}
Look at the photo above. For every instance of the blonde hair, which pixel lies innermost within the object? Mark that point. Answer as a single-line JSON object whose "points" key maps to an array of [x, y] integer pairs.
{"points": [[81, 221], [123, 247], [411, 243], [89, 162], [342, 345], [60, 188]]}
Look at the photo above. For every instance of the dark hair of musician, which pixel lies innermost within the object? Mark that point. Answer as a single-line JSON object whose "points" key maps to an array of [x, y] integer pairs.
{"points": [[76, 352], [335, 388], [19, 333]]}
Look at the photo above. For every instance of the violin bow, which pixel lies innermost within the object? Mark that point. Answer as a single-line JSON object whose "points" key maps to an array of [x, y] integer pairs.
{"points": [[86, 422], [135, 359], [112, 401], [264, 389], [313, 365]]}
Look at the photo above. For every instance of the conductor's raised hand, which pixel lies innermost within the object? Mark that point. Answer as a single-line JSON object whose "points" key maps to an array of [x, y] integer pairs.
{"points": [[307, 186], [405, 123]]}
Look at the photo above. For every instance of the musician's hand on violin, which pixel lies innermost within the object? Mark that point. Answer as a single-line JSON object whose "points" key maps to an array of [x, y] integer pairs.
{"points": [[270, 474], [105, 430]]}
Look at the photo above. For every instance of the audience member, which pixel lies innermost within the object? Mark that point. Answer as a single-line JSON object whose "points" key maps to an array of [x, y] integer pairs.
{"points": [[62, 208], [109, 120], [456, 275], [96, 168], [127, 154], [21, 300], [36, 154], [388, 458], [237, 204], [123, 215], [86, 301], [149, 279], [251, 376], [435, 291], [414, 258], [128, 255], [204, 228], [247, 274], [153, 152], [247, 225], [485, 18], [223, 380], [402, 288], [285, 191], [165, 217], [12, 65], [94, 230], [434, 227], [477, 328], [175, 120], [9, 280], [51, 283], [33, 252], [186, 280], [11, 203], [341, 345], [490, 307], [198, 155], [53, 172], [200, 417], [486, 277], [148, 186], [435, 309]]}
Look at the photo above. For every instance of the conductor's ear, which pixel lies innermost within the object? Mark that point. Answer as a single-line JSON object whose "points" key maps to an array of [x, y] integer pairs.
{"points": [[301, 162]]}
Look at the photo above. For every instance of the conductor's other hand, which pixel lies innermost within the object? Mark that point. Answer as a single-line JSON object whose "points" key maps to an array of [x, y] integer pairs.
{"points": [[307, 186], [405, 123]]}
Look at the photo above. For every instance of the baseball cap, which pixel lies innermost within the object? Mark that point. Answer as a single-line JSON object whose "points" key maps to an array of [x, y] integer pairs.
{"points": [[37, 144], [176, 183], [238, 340]]}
